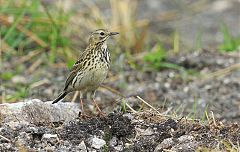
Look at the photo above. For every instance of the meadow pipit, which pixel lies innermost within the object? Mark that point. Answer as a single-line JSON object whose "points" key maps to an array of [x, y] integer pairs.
{"points": [[91, 68]]}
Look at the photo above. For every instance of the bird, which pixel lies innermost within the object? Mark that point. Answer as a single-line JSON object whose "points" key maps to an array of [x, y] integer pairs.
{"points": [[91, 68]]}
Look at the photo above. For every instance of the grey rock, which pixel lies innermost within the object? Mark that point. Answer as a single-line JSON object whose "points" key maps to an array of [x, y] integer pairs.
{"points": [[145, 132], [185, 138], [24, 139], [50, 138], [7, 147], [98, 143], [118, 148], [113, 142], [82, 147], [19, 79], [116, 144], [35, 111], [165, 144], [128, 115]]}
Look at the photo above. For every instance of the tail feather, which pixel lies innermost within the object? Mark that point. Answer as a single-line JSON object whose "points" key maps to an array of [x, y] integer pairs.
{"points": [[61, 96]]}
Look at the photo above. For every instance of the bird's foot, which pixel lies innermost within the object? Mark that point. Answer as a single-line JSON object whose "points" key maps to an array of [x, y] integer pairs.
{"points": [[83, 115], [101, 114]]}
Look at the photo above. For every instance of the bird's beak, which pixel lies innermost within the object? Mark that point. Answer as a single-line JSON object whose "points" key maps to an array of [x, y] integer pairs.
{"points": [[113, 33]]}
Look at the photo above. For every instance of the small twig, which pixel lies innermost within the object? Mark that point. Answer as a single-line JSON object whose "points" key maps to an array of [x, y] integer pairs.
{"points": [[224, 71], [32, 36], [206, 113], [29, 56], [214, 121], [5, 138], [34, 65], [168, 110], [113, 90], [148, 104], [134, 111], [118, 93], [39, 83]]}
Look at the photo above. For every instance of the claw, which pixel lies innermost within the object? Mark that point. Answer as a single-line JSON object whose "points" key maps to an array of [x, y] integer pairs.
{"points": [[101, 114]]}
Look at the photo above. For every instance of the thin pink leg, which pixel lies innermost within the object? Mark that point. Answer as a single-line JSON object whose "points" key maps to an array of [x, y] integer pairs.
{"points": [[83, 115], [98, 109], [81, 102]]}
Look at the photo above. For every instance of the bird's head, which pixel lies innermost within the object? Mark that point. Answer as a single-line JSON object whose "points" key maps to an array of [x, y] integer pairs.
{"points": [[100, 36]]}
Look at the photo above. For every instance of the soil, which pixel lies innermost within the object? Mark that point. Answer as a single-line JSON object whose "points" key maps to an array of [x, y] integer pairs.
{"points": [[198, 101], [144, 131]]}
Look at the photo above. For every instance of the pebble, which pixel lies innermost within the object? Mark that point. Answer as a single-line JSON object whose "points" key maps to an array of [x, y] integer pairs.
{"points": [[19, 79], [82, 147], [98, 143], [50, 138]]}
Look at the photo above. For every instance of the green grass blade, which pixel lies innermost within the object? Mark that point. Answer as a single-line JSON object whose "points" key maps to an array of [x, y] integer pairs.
{"points": [[13, 26]]}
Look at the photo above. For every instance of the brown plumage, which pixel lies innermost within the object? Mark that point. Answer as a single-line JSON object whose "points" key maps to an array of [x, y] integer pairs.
{"points": [[91, 68]]}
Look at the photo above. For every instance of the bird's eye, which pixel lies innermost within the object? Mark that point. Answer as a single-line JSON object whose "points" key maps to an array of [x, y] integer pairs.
{"points": [[102, 33]]}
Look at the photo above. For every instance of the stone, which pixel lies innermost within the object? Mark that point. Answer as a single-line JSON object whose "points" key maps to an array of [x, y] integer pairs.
{"points": [[82, 147], [113, 142], [35, 111], [165, 144], [50, 138], [98, 143], [128, 115], [19, 79]]}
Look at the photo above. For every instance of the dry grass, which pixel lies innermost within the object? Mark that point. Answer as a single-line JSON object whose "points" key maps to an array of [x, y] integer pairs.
{"points": [[122, 19]]}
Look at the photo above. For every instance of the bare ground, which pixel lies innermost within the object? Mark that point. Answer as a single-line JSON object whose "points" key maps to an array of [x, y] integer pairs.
{"points": [[144, 131]]}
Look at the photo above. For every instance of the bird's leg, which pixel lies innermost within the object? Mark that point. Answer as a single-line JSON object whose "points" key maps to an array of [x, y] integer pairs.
{"points": [[82, 114], [91, 96], [98, 109], [81, 103]]}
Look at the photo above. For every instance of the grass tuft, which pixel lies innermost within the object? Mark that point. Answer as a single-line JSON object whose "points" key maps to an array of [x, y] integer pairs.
{"points": [[230, 43]]}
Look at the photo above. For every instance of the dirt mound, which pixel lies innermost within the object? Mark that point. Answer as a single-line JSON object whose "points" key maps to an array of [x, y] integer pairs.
{"points": [[145, 131]]}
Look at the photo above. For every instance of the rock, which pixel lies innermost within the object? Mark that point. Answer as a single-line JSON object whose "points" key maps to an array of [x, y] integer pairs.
{"points": [[113, 142], [165, 144], [82, 147], [19, 79], [50, 138], [145, 132], [118, 148], [187, 146], [98, 143], [7, 147], [185, 138], [50, 148], [183, 143], [35, 111], [128, 115], [116, 144], [23, 139]]}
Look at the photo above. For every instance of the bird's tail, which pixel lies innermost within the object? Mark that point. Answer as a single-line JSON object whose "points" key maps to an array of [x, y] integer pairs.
{"points": [[61, 96]]}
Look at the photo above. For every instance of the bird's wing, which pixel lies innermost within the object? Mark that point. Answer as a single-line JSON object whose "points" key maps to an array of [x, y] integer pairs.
{"points": [[76, 67], [69, 79]]}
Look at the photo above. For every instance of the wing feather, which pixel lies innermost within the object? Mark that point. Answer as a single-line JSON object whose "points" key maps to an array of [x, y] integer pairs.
{"points": [[76, 67]]}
